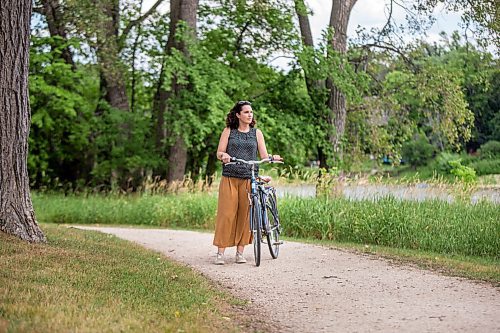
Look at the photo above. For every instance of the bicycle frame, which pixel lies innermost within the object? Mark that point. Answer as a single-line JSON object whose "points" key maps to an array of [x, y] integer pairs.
{"points": [[261, 205]]}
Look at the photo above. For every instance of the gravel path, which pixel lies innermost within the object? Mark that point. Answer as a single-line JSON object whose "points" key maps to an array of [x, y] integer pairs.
{"points": [[311, 288]]}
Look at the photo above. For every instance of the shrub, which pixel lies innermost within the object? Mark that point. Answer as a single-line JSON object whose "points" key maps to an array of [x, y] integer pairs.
{"points": [[462, 172], [490, 150], [418, 152], [468, 159], [443, 161], [486, 167]]}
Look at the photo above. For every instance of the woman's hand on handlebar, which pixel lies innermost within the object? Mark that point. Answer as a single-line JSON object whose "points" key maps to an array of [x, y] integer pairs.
{"points": [[276, 158], [225, 158]]}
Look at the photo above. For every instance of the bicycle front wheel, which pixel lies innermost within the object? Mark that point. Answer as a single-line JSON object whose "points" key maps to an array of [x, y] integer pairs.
{"points": [[273, 234], [256, 230]]}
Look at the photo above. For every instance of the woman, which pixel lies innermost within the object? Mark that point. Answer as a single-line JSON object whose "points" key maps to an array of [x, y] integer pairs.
{"points": [[242, 140]]}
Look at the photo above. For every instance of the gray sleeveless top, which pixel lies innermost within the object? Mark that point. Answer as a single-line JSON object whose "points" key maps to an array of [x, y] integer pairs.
{"points": [[244, 146]]}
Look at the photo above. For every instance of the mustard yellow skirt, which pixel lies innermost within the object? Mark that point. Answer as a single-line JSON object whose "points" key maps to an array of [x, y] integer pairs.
{"points": [[232, 226]]}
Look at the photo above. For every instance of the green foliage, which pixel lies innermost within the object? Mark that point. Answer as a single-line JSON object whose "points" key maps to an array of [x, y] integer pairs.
{"points": [[287, 118], [490, 150], [482, 16], [464, 173], [424, 91], [418, 152], [449, 92], [442, 161], [120, 148], [323, 63], [480, 76], [318, 66], [236, 35], [62, 103]]}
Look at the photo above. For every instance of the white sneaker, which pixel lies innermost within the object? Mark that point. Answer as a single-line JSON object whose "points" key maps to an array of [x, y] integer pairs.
{"points": [[219, 260], [240, 259]]}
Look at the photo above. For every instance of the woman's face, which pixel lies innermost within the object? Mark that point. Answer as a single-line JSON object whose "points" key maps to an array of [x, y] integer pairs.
{"points": [[246, 114]]}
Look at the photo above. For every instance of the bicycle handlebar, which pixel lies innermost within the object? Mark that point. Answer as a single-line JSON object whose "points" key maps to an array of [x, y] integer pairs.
{"points": [[235, 160]]}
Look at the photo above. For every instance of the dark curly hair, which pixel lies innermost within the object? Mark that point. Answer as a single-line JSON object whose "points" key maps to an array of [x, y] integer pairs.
{"points": [[231, 119]]}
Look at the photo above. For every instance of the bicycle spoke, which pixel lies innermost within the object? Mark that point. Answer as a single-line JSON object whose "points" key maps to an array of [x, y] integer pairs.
{"points": [[273, 222]]}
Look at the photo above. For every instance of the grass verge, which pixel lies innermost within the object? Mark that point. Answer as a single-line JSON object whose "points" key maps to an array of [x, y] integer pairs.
{"points": [[84, 281]]}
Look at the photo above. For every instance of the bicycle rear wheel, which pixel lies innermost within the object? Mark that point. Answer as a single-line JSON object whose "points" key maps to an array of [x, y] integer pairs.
{"points": [[273, 234], [256, 230]]}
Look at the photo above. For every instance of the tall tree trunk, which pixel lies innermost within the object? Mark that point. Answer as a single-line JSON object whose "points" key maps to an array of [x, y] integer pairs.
{"points": [[339, 20], [313, 85], [54, 14], [305, 27], [159, 107], [17, 216], [307, 41], [109, 44], [180, 10], [210, 168], [134, 55], [108, 53]]}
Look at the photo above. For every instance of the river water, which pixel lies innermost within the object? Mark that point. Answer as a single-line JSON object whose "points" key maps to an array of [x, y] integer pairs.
{"points": [[418, 192]]}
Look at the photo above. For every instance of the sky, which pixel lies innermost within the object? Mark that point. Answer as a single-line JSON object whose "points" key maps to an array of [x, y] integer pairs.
{"points": [[373, 14]]}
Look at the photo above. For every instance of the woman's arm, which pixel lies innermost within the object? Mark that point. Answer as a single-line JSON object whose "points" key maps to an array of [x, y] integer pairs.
{"points": [[261, 146], [221, 149]]}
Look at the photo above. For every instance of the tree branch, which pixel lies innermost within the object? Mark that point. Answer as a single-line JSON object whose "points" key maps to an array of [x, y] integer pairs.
{"points": [[281, 56], [137, 21], [239, 41], [39, 10], [388, 23], [390, 48]]}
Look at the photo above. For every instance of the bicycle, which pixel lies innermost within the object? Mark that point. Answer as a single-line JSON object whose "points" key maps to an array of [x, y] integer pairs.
{"points": [[264, 217]]}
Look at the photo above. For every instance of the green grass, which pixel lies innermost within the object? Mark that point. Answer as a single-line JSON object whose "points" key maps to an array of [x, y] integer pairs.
{"points": [[457, 228], [83, 281], [184, 210], [437, 226], [459, 231]]}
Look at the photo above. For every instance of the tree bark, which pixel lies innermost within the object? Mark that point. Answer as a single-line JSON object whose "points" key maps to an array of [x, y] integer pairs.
{"points": [[339, 20], [313, 85], [305, 27], [180, 10], [54, 14], [134, 55], [113, 78], [159, 107], [307, 41], [17, 216]]}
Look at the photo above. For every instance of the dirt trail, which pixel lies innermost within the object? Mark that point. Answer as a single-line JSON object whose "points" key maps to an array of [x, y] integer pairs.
{"points": [[316, 289]]}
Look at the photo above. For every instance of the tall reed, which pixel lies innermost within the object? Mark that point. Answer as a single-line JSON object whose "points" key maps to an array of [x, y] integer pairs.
{"points": [[452, 228], [430, 225]]}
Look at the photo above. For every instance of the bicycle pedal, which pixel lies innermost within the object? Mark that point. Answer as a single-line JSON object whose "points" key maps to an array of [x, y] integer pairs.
{"points": [[278, 243]]}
